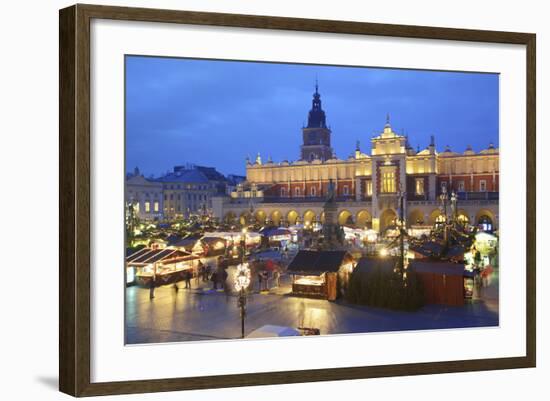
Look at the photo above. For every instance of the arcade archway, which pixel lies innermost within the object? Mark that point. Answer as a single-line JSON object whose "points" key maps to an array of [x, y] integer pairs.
{"points": [[345, 218], [363, 219], [310, 217], [292, 217], [388, 218], [416, 217], [276, 217]]}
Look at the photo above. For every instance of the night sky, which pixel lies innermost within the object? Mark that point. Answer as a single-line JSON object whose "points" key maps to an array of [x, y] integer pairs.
{"points": [[215, 113]]}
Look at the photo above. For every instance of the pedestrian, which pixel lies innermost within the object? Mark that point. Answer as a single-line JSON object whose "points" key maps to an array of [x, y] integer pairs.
{"points": [[224, 277], [265, 280], [188, 279], [207, 271], [260, 279], [152, 288], [214, 279], [276, 278]]}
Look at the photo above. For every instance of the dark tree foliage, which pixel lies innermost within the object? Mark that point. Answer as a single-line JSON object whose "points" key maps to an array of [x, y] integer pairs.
{"points": [[385, 290]]}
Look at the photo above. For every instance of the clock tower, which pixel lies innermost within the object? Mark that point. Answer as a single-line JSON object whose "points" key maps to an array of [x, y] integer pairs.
{"points": [[316, 135]]}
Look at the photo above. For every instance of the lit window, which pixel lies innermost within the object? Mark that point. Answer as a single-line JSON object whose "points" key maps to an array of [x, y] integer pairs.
{"points": [[147, 207], [369, 188], [419, 186], [156, 207], [482, 186], [388, 180], [136, 207]]}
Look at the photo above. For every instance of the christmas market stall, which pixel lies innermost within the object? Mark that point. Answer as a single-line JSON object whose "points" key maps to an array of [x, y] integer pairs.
{"points": [[277, 236], [189, 245], [444, 283], [159, 266], [213, 246], [320, 273]]}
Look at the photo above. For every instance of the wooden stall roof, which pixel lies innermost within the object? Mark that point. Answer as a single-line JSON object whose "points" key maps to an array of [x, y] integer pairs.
{"points": [[147, 256], [315, 263]]}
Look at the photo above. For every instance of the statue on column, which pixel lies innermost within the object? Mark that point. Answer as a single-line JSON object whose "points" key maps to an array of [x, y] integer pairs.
{"points": [[330, 191]]}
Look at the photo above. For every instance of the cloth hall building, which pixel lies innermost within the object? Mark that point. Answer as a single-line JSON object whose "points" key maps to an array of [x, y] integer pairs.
{"points": [[367, 186]]}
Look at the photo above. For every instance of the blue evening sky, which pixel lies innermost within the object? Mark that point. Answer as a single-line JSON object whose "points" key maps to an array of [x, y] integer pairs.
{"points": [[215, 113]]}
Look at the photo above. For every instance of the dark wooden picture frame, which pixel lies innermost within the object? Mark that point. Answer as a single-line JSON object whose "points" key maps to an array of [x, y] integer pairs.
{"points": [[74, 199]]}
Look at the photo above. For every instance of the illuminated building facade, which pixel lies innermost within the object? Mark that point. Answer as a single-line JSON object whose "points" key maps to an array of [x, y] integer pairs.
{"points": [[367, 186], [177, 194]]}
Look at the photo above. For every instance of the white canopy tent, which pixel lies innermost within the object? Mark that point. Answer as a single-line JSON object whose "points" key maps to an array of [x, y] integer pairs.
{"points": [[270, 330]]}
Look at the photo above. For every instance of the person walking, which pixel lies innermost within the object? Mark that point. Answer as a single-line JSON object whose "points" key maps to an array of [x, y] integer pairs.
{"points": [[214, 279], [277, 278], [224, 278], [265, 280], [188, 279], [196, 274], [260, 279], [152, 288]]}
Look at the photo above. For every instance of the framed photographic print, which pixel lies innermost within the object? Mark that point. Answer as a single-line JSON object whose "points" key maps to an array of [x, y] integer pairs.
{"points": [[250, 200]]}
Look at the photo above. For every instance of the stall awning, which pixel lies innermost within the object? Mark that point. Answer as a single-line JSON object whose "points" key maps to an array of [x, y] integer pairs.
{"points": [[147, 256], [315, 263]]}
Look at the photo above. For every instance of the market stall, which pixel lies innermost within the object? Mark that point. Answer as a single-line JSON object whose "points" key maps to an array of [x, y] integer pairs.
{"points": [[156, 267], [320, 273], [444, 283]]}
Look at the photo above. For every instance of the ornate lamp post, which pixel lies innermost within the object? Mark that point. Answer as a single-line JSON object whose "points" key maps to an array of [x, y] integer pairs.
{"points": [[444, 197], [242, 281], [402, 231]]}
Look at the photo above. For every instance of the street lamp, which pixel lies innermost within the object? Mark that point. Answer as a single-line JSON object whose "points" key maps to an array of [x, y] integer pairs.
{"points": [[243, 244], [242, 281]]}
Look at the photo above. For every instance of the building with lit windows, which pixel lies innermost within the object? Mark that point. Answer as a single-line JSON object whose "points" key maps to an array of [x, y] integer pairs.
{"points": [[367, 186], [145, 195], [177, 194]]}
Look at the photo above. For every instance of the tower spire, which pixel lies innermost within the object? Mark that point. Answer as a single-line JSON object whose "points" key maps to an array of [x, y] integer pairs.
{"points": [[316, 117]]}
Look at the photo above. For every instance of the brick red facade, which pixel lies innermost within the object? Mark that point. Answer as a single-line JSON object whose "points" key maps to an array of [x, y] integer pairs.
{"points": [[491, 185]]}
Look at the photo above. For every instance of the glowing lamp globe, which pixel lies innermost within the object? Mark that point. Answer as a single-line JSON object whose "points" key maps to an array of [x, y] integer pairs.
{"points": [[242, 277]]}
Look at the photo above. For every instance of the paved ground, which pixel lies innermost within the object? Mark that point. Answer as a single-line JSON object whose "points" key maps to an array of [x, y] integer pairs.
{"points": [[202, 313]]}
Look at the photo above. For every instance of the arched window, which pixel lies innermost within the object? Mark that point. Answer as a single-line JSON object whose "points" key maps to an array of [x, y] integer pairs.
{"points": [[297, 191], [313, 191], [283, 192]]}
